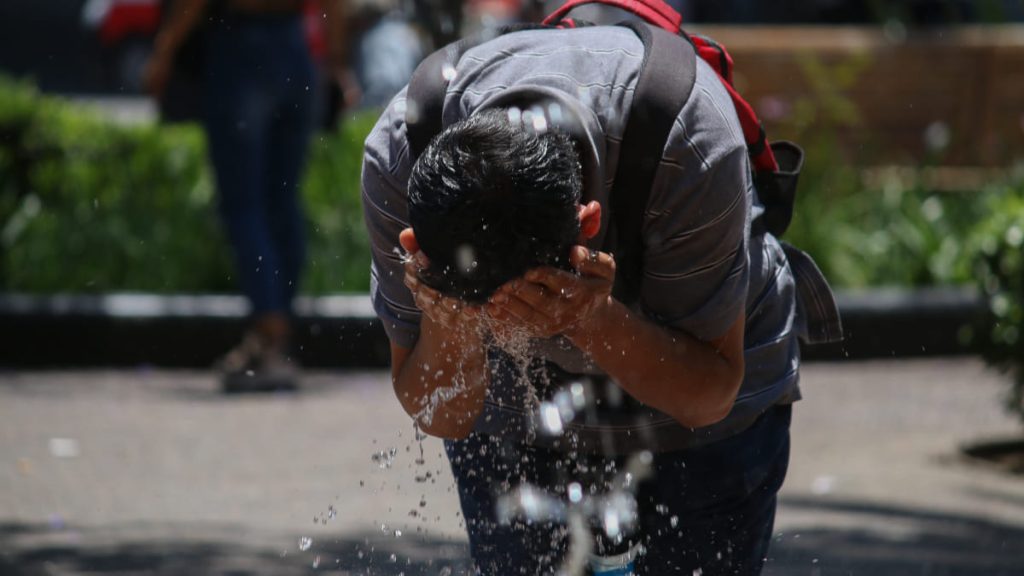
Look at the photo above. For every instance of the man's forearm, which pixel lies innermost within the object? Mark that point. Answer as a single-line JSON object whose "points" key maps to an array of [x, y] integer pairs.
{"points": [[671, 371], [442, 381]]}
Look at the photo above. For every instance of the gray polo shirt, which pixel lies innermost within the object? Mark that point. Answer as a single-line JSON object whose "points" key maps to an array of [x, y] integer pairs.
{"points": [[702, 266]]}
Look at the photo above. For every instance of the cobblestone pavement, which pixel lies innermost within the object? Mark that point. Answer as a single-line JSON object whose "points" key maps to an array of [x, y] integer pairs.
{"points": [[155, 472]]}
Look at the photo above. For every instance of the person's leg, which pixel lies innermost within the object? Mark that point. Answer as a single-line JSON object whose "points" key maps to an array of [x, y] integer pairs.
{"points": [[239, 110], [290, 130], [484, 468], [237, 125], [713, 509]]}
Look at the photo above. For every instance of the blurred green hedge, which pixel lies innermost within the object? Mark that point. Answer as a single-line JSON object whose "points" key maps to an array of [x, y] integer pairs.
{"points": [[87, 205]]}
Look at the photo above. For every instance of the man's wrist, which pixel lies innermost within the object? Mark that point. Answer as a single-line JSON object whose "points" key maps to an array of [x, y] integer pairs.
{"points": [[583, 334]]}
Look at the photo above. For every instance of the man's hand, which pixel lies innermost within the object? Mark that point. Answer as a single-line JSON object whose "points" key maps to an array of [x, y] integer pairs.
{"points": [[447, 312], [548, 301]]}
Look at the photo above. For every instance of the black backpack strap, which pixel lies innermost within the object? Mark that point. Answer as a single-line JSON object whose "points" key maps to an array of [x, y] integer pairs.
{"points": [[425, 95], [666, 80]]}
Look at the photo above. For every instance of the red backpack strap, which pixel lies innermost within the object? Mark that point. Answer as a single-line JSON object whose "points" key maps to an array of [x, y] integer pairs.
{"points": [[654, 12], [761, 155], [660, 14]]}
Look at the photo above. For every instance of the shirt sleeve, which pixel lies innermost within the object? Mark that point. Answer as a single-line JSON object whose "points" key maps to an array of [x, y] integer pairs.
{"points": [[385, 175], [697, 223]]}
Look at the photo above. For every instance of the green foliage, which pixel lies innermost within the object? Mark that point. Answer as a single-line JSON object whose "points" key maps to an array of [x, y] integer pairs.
{"points": [[891, 235], [338, 244], [998, 245], [90, 206]]}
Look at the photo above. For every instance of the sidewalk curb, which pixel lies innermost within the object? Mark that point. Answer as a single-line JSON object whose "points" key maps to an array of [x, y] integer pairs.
{"points": [[343, 331]]}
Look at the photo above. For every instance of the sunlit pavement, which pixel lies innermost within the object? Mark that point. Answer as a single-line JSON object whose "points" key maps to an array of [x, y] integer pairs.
{"points": [[156, 472]]}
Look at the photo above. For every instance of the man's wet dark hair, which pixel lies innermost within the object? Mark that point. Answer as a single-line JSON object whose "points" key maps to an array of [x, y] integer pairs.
{"points": [[492, 197]]}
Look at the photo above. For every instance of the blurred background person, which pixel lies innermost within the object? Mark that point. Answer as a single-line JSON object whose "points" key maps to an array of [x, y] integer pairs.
{"points": [[258, 101], [388, 43]]}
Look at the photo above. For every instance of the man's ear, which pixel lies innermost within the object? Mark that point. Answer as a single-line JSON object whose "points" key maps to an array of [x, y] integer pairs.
{"points": [[407, 238], [590, 220]]}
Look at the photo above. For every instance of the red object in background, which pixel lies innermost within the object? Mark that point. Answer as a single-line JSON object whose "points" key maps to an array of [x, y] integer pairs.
{"points": [[313, 22], [124, 19], [658, 13], [129, 19]]}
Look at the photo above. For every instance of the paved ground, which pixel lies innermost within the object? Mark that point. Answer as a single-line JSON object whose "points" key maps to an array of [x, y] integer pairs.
{"points": [[153, 472]]}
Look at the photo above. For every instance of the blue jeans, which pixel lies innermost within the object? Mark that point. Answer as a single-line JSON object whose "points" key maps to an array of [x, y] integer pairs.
{"points": [[259, 116], [711, 508]]}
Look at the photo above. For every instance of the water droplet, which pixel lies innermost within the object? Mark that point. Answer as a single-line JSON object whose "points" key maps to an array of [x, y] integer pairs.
{"points": [[305, 543], [316, 563], [448, 72], [673, 521], [555, 113], [393, 558], [384, 458], [611, 524], [550, 419], [540, 122], [398, 533], [937, 136], [411, 110], [575, 492], [465, 259]]}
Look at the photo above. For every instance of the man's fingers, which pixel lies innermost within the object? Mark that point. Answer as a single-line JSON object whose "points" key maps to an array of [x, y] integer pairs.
{"points": [[517, 308], [555, 280], [593, 263], [533, 293]]}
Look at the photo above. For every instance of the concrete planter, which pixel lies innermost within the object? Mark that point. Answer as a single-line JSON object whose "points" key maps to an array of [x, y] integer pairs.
{"points": [[342, 331]]}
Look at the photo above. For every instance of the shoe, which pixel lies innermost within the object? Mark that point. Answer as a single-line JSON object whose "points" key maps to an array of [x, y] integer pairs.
{"points": [[252, 366]]}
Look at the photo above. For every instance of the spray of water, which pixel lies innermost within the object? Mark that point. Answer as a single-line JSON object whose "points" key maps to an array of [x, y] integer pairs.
{"points": [[615, 511]]}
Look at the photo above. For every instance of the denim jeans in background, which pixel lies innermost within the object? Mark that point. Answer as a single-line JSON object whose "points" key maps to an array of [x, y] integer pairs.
{"points": [[259, 114], [710, 509]]}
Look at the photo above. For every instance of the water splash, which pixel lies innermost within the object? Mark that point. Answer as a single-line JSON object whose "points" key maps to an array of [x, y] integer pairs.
{"points": [[448, 72], [465, 259], [384, 458], [305, 543], [614, 512]]}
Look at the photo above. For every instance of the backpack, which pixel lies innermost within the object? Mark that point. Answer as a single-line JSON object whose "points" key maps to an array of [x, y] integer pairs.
{"points": [[665, 82]]}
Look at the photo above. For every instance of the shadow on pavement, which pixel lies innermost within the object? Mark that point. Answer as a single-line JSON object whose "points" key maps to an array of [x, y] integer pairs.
{"points": [[882, 540], [842, 537], [38, 549]]}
